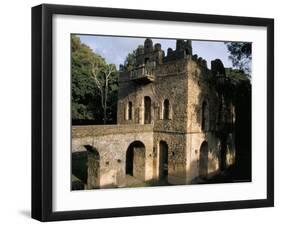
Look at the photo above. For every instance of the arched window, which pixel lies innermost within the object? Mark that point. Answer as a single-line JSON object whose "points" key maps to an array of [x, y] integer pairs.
{"points": [[147, 110], [166, 109], [130, 110], [204, 116]]}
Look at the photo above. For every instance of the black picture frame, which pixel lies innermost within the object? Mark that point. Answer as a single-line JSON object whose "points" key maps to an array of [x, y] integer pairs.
{"points": [[42, 111]]}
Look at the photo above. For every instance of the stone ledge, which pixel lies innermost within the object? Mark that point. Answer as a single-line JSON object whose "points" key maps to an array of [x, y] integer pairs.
{"points": [[101, 130]]}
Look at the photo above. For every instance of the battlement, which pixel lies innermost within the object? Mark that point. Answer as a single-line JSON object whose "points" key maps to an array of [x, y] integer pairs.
{"points": [[182, 51], [151, 62], [200, 61], [150, 53]]}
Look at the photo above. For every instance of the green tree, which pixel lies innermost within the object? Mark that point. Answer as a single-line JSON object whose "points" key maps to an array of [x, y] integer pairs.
{"points": [[130, 61], [240, 55], [87, 104], [104, 76]]}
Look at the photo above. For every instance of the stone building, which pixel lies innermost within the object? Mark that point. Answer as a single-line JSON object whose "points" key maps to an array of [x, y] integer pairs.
{"points": [[174, 123]]}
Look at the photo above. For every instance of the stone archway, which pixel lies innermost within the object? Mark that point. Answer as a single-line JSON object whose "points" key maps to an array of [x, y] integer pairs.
{"points": [[203, 160], [135, 160], [163, 160]]}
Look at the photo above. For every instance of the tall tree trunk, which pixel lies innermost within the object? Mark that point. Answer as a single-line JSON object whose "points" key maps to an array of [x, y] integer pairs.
{"points": [[104, 111], [103, 107], [105, 101]]}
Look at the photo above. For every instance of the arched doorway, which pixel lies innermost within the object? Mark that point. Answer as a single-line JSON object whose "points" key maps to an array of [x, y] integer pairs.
{"points": [[203, 160], [163, 160], [93, 163], [147, 110], [223, 154], [135, 160]]}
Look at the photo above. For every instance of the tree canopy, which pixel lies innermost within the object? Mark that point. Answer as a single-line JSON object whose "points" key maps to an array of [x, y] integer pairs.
{"points": [[130, 61], [240, 55], [94, 96]]}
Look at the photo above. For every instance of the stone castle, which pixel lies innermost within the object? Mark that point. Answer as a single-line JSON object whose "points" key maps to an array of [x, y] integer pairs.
{"points": [[173, 123]]}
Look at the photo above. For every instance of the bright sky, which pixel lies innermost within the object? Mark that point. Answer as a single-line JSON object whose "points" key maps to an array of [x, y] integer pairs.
{"points": [[115, 49]]}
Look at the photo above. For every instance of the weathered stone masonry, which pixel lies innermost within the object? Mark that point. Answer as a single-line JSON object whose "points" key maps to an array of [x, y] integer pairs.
{"points": [[169, 123]]}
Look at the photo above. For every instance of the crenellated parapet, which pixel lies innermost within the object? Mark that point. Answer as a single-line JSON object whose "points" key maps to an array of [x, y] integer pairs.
{"points": [[202, 63], [149, 53], [182, 51]]}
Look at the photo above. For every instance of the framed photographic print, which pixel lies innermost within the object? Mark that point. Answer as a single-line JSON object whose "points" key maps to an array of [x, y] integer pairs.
{"points": [[146, 112]]}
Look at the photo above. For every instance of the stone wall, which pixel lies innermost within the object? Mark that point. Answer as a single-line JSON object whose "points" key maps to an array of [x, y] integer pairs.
{"points": [[93, 164], [100, 130], [112, 143], [176, 156], [139, 160], [170, 84], [193, 99], [200, 90]]}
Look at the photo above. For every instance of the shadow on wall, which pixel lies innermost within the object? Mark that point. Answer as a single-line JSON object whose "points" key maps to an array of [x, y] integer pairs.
{"points": [[224, 92], [243, 125], [79, 166], [230, 175]]}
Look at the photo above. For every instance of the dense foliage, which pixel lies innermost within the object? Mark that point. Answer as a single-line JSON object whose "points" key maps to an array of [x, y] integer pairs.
{"points": [[240, 55], [130, 61], [94, 86]]}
